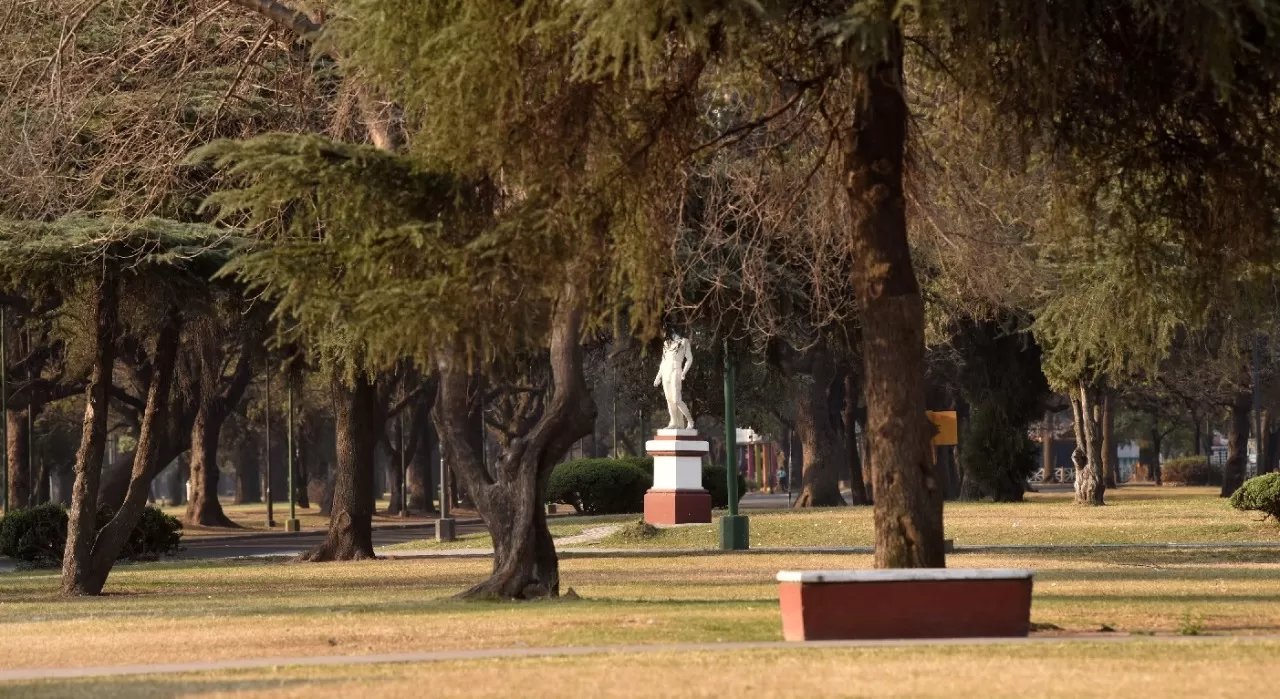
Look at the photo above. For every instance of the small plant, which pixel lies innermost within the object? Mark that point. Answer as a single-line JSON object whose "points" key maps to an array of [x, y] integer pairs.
{"points": [[1261, 494], [1192, 470], [1191, 625]]}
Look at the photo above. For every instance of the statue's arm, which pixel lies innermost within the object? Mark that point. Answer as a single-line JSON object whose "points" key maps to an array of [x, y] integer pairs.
{"points": [[688, 360]]}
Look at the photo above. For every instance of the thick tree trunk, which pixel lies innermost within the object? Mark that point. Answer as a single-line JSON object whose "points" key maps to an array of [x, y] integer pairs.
{"points": [[1273, 449], [422, 468], [358, 414], [41, 491], [1110, 450], [510, 501], [1090, 486], [1237, 444], [1157, 449], [19, 439], [908, 499], [248, 477], [820, 484], [77, 578], [203, 508], [1197, 437], [857, 482]]}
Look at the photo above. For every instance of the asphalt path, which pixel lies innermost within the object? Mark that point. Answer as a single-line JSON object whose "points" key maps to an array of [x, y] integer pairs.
{"points": [[286, 544]]}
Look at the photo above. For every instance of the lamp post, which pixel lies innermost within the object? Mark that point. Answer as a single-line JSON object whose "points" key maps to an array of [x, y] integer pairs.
{"points": [[4, 423], [734, 533], [271, 520], [292, 525], [404, 466], [445, 527]]}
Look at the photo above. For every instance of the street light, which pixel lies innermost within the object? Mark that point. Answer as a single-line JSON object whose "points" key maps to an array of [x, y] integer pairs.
{"points": [[734, 534], [292, 525], [445, 526]]}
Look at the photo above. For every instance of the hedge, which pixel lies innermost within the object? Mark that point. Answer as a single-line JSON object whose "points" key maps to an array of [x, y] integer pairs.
{"points": [[37, 536], [617, 486], [1259, 494]]}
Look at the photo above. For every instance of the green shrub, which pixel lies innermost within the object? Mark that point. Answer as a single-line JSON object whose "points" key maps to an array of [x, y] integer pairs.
{"points": [[713, 479], [156, 535], [38, 536], [599, 486], [1260, 494], [35, 536], [1191, 470]]}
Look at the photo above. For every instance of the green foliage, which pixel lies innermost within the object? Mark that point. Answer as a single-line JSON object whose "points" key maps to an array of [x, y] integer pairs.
{"points": [[715, 481], [36, 536], [1260, 494], [599, 486], [1190, 470], [157, 535], [997, 455]]}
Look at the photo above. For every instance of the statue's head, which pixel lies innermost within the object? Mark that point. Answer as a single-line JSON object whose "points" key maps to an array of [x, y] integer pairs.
{"points": [[673, 334]]}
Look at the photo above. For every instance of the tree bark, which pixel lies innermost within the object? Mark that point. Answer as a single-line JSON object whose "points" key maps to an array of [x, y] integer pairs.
{"points": [[248, 477], [1273, 448], [820, 479], [1157, 448], [1237, 444], [1046, 444], [82, 519], [358, 414], [203, 509], [1087, 457], [1110, 450], [510, 501], [908, 499], [857, 482], [19, 439]]}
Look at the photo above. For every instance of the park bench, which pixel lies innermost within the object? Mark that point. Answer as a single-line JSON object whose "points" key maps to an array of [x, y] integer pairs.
{"points": [[904, 603]]}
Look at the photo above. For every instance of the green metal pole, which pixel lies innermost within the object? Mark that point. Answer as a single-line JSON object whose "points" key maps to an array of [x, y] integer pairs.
{"points": [[734, 532], [4, 407], [292, 524], [271, 519]]}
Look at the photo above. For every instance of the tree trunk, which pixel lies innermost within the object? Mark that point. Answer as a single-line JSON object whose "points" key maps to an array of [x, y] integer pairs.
{"points": [[510, 501], [82, 519], [358, 414], [857, 479], [1110, 450], [908, 500], [19, 440], [1087, 457], [41, 491], [1237, 444], [820, 484], [1197, 437], [248, 477], [1273, 449], [421, 468], [1046, 445], [1157, 449], [203, 508]]}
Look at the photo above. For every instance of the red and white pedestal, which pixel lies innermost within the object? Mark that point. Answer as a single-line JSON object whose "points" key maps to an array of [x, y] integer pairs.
{"points": [[677, 496]]}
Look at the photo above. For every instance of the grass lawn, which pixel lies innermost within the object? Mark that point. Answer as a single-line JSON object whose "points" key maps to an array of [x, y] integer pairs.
{"points": [[193, 611], [172, 612], [1201, 669], [1133, 515]]}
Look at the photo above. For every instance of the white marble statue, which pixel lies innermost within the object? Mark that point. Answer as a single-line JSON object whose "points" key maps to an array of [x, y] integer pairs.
{"points": [[677, 357]]}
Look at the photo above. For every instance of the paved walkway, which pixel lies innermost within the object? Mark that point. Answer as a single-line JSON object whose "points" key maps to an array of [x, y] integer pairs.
{"points": [[601, 552], [33, 674]]}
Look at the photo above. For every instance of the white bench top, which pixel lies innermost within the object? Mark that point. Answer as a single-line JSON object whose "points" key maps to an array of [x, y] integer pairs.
{"points": [[902, 575]]}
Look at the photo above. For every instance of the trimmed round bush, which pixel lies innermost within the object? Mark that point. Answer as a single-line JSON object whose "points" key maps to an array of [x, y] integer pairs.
{"points": [[599, 486], [1191, 470], [714, 480], [1260, 494], [35, 536]]}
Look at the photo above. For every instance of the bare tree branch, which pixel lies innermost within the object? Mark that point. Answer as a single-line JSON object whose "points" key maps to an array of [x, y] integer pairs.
{"points": [[284, 16]]}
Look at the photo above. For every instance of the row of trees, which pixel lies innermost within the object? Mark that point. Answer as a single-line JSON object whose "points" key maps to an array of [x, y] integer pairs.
{"points": [[453, 211]]}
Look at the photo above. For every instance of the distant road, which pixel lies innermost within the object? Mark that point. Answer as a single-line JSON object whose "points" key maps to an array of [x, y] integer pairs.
{"points": [[293, 544]]}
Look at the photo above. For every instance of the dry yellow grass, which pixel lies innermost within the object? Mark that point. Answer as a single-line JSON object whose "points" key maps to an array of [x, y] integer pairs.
{"points": [[173, 613], [1204, 669]]}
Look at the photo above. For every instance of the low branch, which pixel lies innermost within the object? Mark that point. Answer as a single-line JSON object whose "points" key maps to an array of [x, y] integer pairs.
{"points": [[284, 16]]}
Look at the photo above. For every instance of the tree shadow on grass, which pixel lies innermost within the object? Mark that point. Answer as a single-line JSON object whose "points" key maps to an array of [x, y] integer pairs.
{"points": [[153, 687]]}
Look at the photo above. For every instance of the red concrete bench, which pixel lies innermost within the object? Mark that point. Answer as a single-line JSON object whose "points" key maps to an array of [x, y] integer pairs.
{"points": [[904, 603]]}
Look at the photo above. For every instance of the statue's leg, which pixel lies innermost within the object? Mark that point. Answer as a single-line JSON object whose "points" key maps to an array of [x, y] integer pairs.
{"points": [[684, 411], [673, 412]]}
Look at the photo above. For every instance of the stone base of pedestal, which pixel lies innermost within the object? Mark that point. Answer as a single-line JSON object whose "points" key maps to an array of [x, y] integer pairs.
{"points": [[677, 507]]}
